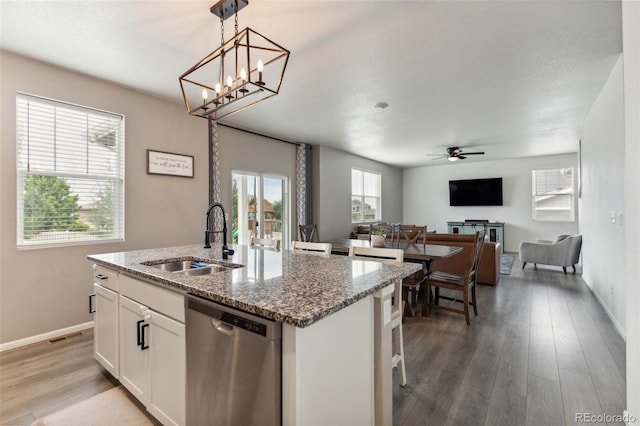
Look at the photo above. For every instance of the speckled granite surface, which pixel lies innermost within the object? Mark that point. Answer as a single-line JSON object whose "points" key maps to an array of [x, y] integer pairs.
{"points": [[296, 288]]}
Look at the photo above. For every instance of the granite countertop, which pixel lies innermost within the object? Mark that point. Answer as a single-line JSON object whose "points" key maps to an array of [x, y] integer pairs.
{"points": [[296, 288]]}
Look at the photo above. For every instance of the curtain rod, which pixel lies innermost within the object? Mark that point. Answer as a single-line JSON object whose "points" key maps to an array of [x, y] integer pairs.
{"points": [[259, 134]]}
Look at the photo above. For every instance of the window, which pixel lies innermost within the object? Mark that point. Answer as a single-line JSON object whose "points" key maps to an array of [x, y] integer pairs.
{"points": [[70, 168], [365, 196], [552, 191]]}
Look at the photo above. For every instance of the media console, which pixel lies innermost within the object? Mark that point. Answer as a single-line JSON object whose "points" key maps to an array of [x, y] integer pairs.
{"points": [[494, 230]]}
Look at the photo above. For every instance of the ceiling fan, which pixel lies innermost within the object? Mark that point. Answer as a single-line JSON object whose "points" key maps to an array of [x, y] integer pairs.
{"points": [[454, 153]]}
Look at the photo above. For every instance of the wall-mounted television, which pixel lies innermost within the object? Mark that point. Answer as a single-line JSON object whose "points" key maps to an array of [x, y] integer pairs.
{"points": [[475, 192]]}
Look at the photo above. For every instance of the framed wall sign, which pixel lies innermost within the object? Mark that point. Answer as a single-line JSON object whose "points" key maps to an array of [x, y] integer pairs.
{"points": [[167, 163]]}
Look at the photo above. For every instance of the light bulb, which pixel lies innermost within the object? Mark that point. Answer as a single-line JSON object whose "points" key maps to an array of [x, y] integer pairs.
{"points": [[229, 82], [260, 69], [205, 95], [243, 75], [218, 89]]}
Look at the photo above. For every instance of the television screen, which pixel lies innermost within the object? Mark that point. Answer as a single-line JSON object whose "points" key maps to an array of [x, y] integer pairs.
{"points": [[475, 192]]}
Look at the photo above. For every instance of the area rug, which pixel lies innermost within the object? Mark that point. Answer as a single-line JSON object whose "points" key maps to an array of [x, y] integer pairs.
{"points": [[506, 261], [109, 408]]}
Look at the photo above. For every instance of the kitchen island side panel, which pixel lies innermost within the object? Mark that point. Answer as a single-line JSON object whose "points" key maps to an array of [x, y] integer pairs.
{"points": [[328, 369]]}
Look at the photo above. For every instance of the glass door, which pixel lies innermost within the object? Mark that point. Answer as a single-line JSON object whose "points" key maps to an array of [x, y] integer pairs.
{"points": [[260, 207]]}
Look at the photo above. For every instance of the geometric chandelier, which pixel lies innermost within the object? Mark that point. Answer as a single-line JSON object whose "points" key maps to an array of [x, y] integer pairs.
{"points": [[244, 70]]}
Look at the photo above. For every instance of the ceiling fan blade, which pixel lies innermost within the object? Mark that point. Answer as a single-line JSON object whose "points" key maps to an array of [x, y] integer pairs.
{"points": [[474, 153], [439, 156], [462, 157]]}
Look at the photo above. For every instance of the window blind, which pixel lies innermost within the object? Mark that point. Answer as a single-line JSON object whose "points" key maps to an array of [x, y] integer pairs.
{"points": [[70, 164], [552, 191]]}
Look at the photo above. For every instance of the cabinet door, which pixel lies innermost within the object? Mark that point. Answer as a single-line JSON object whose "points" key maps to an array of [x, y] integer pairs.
{"points": [[105, 329], [168, 370], [134, 358]]}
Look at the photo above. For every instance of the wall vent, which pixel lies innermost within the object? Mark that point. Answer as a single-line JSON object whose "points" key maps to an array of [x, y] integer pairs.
{"points": [[66, 337]]}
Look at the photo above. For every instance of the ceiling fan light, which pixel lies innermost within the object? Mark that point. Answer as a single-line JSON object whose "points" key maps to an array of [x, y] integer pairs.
{"points": [[452, 158]]}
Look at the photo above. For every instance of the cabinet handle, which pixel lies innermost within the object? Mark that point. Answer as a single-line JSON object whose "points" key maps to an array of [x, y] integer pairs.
{"points": [[92, 307], [139, 332], [143, 346], [102, 277]]}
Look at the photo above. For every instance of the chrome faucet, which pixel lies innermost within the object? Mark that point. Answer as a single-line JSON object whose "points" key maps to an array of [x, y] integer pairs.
{"points": [[207, 243]]}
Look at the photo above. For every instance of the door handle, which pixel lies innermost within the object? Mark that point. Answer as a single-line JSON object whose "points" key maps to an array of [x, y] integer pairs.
{"points": [[222, 327], [143, 346], [139, 335], [92, 308]]}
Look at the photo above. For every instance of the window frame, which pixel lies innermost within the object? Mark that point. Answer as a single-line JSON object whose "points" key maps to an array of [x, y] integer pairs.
{"points": [[92, 166], [363, 195], [554, 189]]}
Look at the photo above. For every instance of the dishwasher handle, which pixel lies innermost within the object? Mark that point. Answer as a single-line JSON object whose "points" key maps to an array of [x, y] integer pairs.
{"points": [[222, 326]]}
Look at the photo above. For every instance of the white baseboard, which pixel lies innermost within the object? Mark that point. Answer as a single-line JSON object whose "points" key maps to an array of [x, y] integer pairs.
{"points": [[609, 314], [45, 336]]}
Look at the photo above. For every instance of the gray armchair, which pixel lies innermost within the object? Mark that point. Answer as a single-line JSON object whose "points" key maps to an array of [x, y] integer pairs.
{"points": [[563, 251]]}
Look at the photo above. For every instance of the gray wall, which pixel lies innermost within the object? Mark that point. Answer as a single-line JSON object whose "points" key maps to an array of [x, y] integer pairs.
{"points": [[631, 43], [331, 190], [42, 290], [242, 151], [426, 197], [45, 290], [603, 194]]}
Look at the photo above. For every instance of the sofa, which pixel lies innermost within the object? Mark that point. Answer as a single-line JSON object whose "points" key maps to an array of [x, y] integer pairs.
{"points": [[362, 232], [563, 251], [488, 266]]}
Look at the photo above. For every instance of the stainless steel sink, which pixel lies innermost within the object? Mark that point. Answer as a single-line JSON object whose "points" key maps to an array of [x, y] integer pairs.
{"points": [[179, 265], [206, 270], [191, 266]]}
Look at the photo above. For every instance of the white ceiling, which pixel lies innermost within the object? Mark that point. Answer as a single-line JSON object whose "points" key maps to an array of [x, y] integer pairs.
{"points": [[511, 78]]}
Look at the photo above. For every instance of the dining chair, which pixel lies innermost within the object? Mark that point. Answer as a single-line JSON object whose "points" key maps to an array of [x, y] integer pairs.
{"points": [[465, 284], [411, 286], [410, 233], [396, 255], [265, 243], [309, 233], [311, 247]]}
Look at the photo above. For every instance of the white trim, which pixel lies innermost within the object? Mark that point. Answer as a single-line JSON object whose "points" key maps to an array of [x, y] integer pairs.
{"points": [[608, 312], [45, 336]]}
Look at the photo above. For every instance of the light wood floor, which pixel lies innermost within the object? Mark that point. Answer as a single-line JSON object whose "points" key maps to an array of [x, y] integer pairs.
{"points": [[43, 378], [541, 350]]}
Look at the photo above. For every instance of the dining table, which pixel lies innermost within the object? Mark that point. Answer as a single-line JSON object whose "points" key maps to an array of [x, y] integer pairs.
{"points": [[413, 252]]}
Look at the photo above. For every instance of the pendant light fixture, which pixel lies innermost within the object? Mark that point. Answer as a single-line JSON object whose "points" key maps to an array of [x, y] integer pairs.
{"points": [[244, 70]]}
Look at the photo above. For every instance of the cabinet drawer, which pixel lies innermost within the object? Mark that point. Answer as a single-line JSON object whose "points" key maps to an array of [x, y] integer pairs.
{"points": [[105, 277], [170, 303]]}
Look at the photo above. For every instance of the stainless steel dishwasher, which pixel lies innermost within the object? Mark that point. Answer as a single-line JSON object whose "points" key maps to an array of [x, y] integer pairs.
{"points": [[234, 365]]}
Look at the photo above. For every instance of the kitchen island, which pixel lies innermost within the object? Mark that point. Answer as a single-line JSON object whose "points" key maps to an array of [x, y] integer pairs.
{"points": [[325, 304]]}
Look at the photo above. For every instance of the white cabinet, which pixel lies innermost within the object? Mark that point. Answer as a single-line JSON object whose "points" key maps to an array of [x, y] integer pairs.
{"points": [[134, 365], [139, 337], [494, 230], [153, 363], [168, 370], [105, 347], [105, 309]]}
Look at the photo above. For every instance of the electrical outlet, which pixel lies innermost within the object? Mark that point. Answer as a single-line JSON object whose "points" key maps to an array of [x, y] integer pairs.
{"points": [[613, 217]]}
